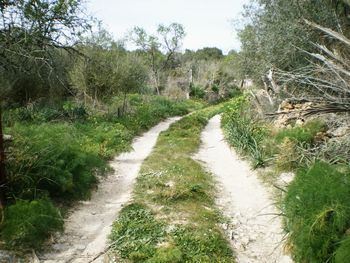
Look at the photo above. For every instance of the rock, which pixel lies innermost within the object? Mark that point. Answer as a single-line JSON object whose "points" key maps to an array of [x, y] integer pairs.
{"points": [[80, 247], [245, 241], [340, 131], [299, 122], [286, 105]]}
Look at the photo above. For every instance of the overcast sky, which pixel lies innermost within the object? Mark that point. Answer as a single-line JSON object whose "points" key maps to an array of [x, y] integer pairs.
{"points": [[208, 23]]}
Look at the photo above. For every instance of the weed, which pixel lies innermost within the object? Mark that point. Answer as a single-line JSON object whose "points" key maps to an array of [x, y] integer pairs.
{"points": [[342, 254], [137, 233]]}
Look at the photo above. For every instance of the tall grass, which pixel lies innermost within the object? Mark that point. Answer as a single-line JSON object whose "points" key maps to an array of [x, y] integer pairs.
{"points": [[318, 213], [244, 131]]}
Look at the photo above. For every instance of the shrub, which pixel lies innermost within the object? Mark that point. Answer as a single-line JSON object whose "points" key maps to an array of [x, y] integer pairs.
{"points": [[317, 211], [51, 158], [29, 223], [197, 92]]}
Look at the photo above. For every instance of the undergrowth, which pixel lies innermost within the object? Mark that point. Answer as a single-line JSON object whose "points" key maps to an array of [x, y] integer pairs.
{"points": [[177, 196], [58, 153]]}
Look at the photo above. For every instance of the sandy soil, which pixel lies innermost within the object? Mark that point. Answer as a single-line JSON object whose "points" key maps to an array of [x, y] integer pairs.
{"points": [[255, 230], [89, 223]]}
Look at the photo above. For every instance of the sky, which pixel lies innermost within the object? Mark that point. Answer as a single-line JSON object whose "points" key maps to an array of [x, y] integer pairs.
{"points": [[208, 23]]}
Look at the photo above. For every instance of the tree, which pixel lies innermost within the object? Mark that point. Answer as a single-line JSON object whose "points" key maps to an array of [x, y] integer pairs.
{"points": [[106, 70], [159, 48], [276, 34]]}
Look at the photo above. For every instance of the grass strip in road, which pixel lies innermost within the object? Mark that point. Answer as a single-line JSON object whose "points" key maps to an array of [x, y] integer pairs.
{"points": [[173, 217]]}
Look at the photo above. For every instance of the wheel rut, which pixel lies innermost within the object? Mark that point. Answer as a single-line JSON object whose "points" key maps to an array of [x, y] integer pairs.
{"points": [[255, 230]]}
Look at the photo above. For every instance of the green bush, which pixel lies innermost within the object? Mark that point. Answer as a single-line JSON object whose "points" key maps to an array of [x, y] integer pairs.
{"points": [[197, 92], [38, 113], [30, 223], [51, 158], [317, 212]]}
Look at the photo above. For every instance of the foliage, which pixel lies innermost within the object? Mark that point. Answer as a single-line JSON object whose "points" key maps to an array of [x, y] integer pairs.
{"points": [[180, 195], [275, 33], [159, 49], [69, 111], [28, 223], [317, 212], [49, 157], [36, 41], [197, 92], [207, 53]]}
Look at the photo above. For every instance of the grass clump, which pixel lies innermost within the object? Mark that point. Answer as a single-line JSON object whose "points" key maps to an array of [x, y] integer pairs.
{"points": [[243, 131], [317, 211], [51, 158], [180, 195], [29, 223]]}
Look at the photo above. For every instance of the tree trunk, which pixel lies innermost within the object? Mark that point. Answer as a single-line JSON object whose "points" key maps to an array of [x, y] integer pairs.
{"points": [[2, 166]]}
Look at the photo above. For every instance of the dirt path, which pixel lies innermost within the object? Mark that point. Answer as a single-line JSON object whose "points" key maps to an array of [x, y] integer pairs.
{"points": [[256, 234], [88, 226]]}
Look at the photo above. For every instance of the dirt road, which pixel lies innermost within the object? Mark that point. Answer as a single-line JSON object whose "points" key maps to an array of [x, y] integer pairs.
{"points": [[255, 231], [89, 223]]}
